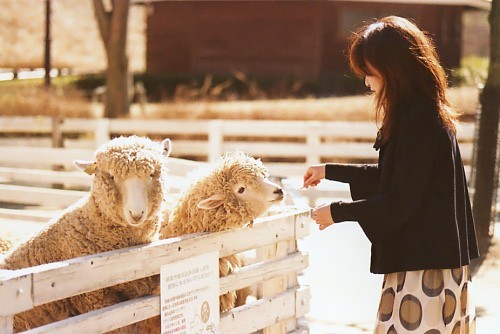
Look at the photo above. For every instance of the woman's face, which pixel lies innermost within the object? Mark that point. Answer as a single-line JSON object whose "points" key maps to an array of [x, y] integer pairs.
{"points": [[374, 83], [374, 80]]}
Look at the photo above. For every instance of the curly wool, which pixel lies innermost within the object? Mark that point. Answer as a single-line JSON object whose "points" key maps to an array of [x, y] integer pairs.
{"points": [[231, 168], [96, 224], [5, 245], [183, 216], [186, 217]]}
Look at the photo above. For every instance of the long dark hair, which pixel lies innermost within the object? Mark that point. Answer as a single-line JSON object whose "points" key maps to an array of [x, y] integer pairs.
{"points": [[409, 67]]}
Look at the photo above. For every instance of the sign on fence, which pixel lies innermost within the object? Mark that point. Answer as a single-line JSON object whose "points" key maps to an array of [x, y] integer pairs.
{"points": [[190, 295]]}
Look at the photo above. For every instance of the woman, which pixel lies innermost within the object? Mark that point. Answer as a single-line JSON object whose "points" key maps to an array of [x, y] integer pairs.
{"points": [[414, 204]]}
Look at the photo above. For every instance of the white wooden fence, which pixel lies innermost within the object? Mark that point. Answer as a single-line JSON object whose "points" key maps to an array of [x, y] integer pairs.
{"points": [[280, 304], [287, 147]]}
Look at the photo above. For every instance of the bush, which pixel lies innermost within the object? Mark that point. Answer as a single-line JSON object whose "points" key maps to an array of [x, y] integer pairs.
{"points": [[472, 72]]}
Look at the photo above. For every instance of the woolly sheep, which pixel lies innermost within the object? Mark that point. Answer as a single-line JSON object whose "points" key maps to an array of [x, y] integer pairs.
{"points": [[225, 195], [230, 194], [123, 209]]}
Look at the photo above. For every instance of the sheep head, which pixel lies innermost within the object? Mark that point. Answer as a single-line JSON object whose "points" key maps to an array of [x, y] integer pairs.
{"points": [[129, 179], [240, 190]]}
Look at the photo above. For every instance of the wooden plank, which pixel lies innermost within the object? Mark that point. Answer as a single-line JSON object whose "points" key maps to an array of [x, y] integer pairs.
{"points": [[466, 132], [7, 324], [156, 127], [39, 196], [302, 225], [275, 285], [258, 272], [182, 167], [302, 304], [79, 125], [262, 313], [198, 148], [263, 128], [11, 124], [16, 289], [24, 141], [45, 156], [63, 279], [301, 150], [41, 216], [106, 319], [38, 176]]}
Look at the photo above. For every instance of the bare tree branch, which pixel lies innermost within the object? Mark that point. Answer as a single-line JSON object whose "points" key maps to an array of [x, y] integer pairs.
{"points": [[103, 18]]}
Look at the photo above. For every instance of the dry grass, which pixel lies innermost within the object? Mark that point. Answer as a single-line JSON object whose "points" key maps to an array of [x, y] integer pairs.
{"points": [[37, 101], [351, 108]]}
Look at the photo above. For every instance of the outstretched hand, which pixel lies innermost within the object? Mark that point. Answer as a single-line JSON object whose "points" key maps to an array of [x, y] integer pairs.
{"points": [[322, 216], [313, 176]]}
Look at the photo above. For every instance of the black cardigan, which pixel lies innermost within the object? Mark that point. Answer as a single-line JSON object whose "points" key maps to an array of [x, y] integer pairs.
{"points": [[414, 205]]}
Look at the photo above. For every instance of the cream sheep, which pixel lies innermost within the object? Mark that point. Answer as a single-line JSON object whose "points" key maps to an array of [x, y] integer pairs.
{"points": [[124, 208], [228, 194], [232, 193]]}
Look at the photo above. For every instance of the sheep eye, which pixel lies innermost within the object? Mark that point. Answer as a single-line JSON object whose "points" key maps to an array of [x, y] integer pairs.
{"points": [[241, 190], [152, 175]]}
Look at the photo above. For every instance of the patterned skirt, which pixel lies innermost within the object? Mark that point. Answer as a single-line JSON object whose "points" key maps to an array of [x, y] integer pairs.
{"points": [[432, 301]]}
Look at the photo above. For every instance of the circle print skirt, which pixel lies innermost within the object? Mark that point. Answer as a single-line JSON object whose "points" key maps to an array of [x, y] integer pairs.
{"points": [[434, 301]]}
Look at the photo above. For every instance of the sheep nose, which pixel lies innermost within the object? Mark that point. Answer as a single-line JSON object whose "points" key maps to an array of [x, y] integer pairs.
{"points": [[136, 216], [278, 191]]}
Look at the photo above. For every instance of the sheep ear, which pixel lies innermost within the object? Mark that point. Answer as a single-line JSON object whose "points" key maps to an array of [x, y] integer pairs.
{"points": [[167, 146], [212, 202], [88, 167]]}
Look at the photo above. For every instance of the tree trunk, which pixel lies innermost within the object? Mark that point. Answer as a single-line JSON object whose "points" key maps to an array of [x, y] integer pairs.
{"points": [[113, 28], [487, 141]]}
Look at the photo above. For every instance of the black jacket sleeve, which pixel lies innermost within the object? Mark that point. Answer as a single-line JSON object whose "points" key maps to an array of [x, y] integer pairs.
{"points": [[411, 164], [362, 179]]}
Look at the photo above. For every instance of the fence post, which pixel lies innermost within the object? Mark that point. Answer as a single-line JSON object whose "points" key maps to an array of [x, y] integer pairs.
{"points": [[57, 142], [7, 324], [276, 285], [215, 140], [102, 134], [313, 142], [57, 138]]}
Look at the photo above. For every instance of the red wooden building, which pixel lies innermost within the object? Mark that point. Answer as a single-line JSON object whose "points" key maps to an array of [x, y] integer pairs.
{"points": [[293, 38]]}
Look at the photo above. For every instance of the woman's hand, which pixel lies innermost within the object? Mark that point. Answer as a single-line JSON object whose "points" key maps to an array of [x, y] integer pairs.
{"points": [[322, 216], [313, 175]]}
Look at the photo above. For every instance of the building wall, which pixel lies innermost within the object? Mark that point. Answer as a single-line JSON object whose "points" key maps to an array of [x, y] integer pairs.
{"points": [[476, 34], [276, 38], [223, 37]]}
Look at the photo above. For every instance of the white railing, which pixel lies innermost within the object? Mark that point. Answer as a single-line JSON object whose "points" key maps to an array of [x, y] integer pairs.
{"points": [[286, 146], [280, 303]]}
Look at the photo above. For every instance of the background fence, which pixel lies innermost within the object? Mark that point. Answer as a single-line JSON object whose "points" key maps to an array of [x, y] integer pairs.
{"points": [[286, 146], [39, 151]]}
